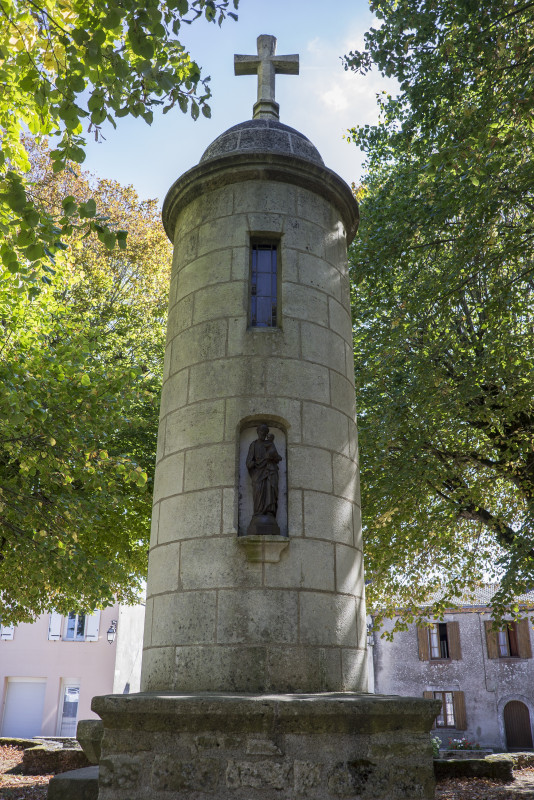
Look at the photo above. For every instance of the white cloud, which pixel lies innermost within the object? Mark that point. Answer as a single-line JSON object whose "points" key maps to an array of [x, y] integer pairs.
{"points": [[335, 98], [331, 100]]}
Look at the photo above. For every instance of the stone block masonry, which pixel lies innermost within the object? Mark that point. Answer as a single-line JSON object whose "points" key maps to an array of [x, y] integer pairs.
{"points": [[255, 633], [267, 626], [295, 747]]}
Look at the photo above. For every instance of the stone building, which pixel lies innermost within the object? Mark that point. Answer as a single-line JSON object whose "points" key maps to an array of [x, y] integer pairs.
{"points": [[484, 678]]}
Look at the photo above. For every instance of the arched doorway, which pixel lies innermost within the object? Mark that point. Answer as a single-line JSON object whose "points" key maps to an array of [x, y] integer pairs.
{"points": [[517, 725]]}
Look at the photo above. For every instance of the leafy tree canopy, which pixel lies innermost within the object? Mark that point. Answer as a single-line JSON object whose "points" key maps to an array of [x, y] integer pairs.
{"points": [[66, 64], [443, 296], [80, 369], [81, 319]]}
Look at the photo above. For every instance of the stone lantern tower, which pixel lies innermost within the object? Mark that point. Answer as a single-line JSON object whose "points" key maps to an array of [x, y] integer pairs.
{"points": [[259, 332], [255, 599]]}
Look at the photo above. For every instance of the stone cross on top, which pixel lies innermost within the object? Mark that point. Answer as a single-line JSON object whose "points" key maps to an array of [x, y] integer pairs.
{"points": [[266, 64]]}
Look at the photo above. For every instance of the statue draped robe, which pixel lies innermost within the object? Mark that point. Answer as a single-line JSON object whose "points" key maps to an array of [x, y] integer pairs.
{"points": [[262, 464]]}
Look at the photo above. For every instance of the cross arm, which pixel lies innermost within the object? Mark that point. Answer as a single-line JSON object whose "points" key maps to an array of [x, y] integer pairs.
{"points": [[246, 65], [286, 65]]}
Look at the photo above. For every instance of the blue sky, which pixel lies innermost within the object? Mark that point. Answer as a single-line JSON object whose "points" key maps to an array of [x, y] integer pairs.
{"points": [[322, 102]]}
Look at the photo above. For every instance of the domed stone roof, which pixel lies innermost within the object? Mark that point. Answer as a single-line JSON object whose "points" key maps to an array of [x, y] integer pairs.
{"points": [[262, 136]]}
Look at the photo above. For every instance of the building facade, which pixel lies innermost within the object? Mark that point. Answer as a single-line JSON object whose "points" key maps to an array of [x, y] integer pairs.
{"points": [[51, 669], [484, 678]]}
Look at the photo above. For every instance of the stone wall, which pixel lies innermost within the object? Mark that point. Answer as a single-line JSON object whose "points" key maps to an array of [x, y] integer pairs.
{"points": [[487, 683], [42, 760], [215, 621], [321, 747]]}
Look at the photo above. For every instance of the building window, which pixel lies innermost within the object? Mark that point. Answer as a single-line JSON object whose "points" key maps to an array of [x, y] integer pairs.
{"points": [[264, 285], [452, 713], [439, 641], [507, 639], [513, 641], [75, 627], [445, 718]]}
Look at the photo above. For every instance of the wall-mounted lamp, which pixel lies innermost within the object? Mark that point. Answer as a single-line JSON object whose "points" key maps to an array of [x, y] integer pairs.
{"points": [[112, 631]]}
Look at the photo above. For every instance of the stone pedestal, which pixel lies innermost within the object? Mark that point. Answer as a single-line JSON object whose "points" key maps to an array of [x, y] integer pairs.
{"points": [[267, 549], [239, 747], [263, 525]]}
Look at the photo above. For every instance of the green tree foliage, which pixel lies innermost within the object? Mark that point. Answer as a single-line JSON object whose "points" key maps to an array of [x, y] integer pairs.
{"points": [[81, 332], [443, 295], [80, 369], [69, 63]]}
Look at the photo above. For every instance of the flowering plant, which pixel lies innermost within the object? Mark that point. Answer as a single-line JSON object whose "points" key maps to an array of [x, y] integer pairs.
{"points": [[463, 744]]}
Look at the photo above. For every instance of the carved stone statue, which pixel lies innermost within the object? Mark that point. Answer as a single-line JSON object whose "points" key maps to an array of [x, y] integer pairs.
{"points": [[262, 464]]}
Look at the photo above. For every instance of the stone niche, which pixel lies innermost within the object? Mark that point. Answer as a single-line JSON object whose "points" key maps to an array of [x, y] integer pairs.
{"points": [[245, 504]]}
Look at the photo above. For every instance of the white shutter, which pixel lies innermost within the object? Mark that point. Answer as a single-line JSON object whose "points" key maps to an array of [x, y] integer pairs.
{"points": [[54, 626], [6, 632], [92, 624]]}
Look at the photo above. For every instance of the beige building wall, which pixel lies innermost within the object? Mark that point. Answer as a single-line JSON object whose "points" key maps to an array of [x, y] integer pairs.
{"points": [[216, 621], [30, 654]]}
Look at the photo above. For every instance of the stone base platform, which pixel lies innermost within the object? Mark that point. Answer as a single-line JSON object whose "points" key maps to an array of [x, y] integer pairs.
{"points": [[261, 747]]}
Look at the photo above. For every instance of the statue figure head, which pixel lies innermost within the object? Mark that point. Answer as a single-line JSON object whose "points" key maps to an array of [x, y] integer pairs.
{"points": [[262, 431]]}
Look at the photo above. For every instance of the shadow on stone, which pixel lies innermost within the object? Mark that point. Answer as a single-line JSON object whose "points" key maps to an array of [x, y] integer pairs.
{"points": [[78, 784], [496, 767]]}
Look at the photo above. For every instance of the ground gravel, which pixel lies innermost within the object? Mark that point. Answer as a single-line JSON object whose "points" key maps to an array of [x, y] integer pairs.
{"points": [[521, 788], [14, 785]]}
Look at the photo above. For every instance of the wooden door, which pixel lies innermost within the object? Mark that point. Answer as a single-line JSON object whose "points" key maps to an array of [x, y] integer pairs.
{"points": [[517, 725]]}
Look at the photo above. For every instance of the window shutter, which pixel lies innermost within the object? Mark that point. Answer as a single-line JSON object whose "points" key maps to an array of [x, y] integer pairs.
{"points": [[422, 639], [54, 626], [460, 719], [453, 636], [523, 639], [92, 624], [491, 640], [7, 632]]}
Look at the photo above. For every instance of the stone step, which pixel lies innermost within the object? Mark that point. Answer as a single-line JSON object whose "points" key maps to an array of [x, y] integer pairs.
{"points": [[78, 784]]}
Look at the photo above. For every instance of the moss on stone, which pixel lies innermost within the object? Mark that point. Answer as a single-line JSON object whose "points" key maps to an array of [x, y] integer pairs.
{"points": [[11, 741]]}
